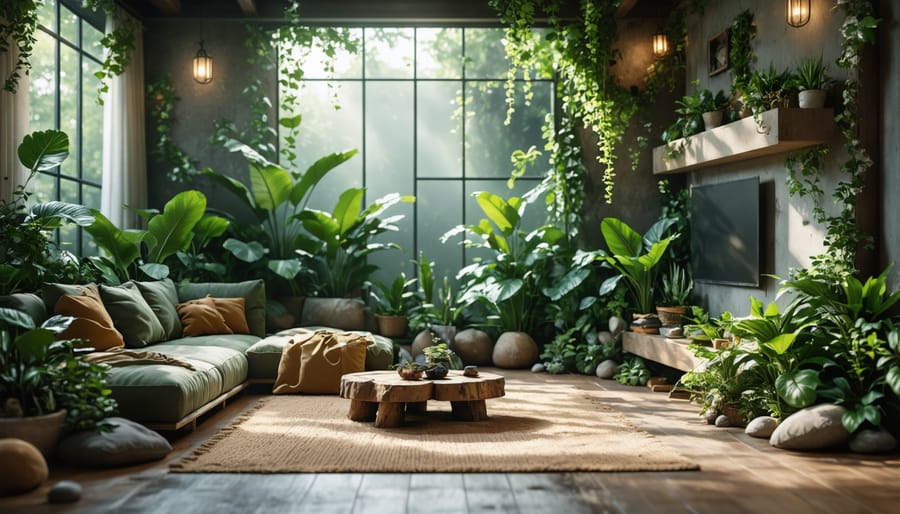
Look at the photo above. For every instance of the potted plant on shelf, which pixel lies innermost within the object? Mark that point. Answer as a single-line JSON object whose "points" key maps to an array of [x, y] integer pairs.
{"points": [[712, 107], [677, 286], [768, 89], [391, 305], [635, 260], [706, 330], [812, 83], [44, 386]]}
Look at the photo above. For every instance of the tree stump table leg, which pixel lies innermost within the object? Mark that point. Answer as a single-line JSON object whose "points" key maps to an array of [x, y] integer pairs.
{"points": [[362, 411], [475, 410], [390, 415], [416, 407]]}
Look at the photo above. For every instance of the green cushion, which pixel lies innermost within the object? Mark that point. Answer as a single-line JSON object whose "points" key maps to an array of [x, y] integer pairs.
{"points": [[28, 303], [264, 356], [162, 297], [126, 444], [237, 342], [252, 291], [132, 315], [157, 393]]}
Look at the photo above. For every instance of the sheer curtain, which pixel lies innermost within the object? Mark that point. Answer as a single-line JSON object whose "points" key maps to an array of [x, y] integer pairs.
{"points": [[13, 125], [124, 151]]}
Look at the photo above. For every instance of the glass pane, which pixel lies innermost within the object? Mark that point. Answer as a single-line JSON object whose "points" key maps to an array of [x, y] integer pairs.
{"points": [[316, 62], [91, 125], [439, 208], [439, 53], [389, 168], [326, 130], [90, 196], [47, 14], [42, 86], [535, 213], [68, 25], [69, 191], [439, 129], [389, 53], [490, 143], [69, 77], [44, 188], [485, 54], [90, 40]]}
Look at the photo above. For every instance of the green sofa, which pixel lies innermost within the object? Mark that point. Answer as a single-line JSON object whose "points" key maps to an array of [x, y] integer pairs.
{"points": [[170, 397]]}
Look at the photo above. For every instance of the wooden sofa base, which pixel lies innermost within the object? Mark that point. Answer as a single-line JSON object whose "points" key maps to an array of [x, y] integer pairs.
{"points": [[191, 418]]}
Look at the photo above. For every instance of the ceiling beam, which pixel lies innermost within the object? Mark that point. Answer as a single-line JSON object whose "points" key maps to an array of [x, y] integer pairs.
{"points": [[248, 7], [168, 7]]}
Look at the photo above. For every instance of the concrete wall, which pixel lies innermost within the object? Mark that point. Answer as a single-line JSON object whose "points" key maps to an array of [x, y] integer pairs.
{"points": [[787, 240], [889, 124]]}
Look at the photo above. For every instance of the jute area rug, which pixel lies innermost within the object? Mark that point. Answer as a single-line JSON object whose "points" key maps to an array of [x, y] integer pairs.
{"points": [[535, 427]]}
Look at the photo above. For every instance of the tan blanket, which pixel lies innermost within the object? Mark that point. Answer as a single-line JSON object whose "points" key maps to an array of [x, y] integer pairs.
{"points": [[124, 357], [314, 361]]}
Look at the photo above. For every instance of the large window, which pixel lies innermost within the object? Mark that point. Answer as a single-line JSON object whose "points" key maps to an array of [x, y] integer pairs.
{"points": [[426, 109], [63, 96]]}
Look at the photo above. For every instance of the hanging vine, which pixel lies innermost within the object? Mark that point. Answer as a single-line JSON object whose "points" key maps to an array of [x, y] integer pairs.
{"points": [[181, 168]]}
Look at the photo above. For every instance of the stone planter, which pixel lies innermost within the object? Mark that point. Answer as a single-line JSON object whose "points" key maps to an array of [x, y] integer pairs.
{"points": [[392, 326], [712, 119], [812, 98], [41, 431]]}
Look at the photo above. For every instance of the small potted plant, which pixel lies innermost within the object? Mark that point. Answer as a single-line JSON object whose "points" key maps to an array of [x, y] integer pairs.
{"points": [[768, 89], [712, 108], [440, 353], [677, 286], [391, 304], [707, 330], [812, 83]]}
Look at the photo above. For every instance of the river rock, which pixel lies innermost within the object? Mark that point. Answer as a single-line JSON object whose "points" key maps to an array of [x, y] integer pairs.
{"points": [[538, 368], [420, 342], [64, 491], [607, 369], [474, 347], [761, 427], [515, 350], [812, 428], [711, 416], [22, 466], [873, 441], [617, 325], [723, 421], [605, 337]]}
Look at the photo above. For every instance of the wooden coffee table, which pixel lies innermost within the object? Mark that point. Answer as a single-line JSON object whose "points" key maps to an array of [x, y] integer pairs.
{"points": [[385, 397]]}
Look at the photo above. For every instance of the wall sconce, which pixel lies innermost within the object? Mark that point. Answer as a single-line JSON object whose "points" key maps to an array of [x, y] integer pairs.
{"points": [[797, 12], [203, 66], [660, 45]]}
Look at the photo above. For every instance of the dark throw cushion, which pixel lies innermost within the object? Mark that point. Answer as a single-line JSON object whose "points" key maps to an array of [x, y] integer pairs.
{"points": [[128, 443], [162, 298], [132, 315]]}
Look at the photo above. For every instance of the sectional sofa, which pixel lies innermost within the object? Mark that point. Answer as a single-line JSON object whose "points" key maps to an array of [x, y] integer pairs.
{"points": [[204, 370]]}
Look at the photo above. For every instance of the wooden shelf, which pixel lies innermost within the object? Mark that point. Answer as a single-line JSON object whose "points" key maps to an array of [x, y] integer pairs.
{"points": [[671, 352], [781, 130]]}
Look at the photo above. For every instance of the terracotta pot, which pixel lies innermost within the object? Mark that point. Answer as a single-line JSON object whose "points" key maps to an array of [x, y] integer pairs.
{"points": [[812, 98], [712, 119], [41, 431], [392, 326], [669, 316]]}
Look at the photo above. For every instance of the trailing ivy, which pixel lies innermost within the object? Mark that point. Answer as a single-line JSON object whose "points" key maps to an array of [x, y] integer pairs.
{"points": [[181, 168], [18, 21], [740, 55]]}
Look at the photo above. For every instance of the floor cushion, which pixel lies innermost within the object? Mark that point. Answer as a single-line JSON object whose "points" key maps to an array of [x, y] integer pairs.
{"points": [[126, 444]]}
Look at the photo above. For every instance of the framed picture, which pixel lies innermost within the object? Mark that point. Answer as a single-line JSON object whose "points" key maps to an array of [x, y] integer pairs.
{"points": [[717, 56]]}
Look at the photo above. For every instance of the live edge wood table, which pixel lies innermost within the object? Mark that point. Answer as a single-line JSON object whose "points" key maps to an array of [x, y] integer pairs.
{"points": [[385, 397]]}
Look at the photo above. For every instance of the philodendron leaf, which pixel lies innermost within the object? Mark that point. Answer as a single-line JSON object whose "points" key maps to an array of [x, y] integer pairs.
{"points": [[173, 229], [45, 150], [568, 283], [247, 252], [75, 213], [154, 270], [285, 268], [893, 378], [16, 317], [798, 388]]}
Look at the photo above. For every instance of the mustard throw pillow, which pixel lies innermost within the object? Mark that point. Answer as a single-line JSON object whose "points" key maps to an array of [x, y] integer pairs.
{"points": [[201, 317], [92, 323], [232, 309]]}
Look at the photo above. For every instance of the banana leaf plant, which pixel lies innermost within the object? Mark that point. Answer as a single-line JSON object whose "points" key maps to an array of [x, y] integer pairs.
{"points": [[27, 251], [339, 242], [169, 233], [511, 282], [635, 258], [275, 196]]}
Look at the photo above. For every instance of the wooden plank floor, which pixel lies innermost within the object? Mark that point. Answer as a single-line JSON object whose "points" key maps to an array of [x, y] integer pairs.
{"points": [[739, 474]]}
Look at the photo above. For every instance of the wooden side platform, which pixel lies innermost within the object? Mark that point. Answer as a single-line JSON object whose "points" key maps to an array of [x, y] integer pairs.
{"points": [[674, 353]]}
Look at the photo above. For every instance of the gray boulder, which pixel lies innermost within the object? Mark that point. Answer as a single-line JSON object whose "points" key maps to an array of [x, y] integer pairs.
{"points": [[617, 325], [761, 427], [474, 347], [723, 421], [607, 369], [605, 337], [515, 350], [813, 428], [873, 441]]}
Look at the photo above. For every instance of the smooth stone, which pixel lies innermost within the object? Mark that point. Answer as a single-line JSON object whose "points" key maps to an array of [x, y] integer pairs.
{"points": [[470, 371], [761, 427], [22, 466], [605, 337], [64, 491], [515, 350], [474, 347], [420, 342], [538, 368], [873, 441], [723, 421], [607, 369], [711, 416], [617, 325], [812, 428]]}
